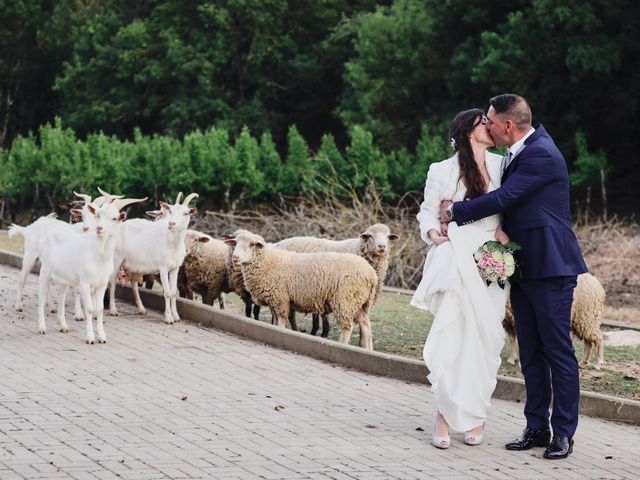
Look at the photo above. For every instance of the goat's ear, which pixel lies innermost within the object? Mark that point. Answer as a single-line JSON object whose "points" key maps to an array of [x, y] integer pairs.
{"points": [[165, 206], [393, 237], [92, 209], [76, 212], [193, 211], [203, 239], [65, 206], [123, 216], [153, 213], [231, 241]]}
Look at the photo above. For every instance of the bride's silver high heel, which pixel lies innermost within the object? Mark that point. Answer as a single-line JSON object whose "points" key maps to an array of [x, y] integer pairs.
{"points": [[439, 442], [473, 439]]}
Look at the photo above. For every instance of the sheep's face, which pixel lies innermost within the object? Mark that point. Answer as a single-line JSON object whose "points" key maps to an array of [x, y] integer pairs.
{"points": [[193, 239], [245, 245], [376, 239]]}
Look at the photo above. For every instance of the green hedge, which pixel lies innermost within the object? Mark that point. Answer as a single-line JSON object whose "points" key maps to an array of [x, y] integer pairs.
{"points": [[40, 171]]}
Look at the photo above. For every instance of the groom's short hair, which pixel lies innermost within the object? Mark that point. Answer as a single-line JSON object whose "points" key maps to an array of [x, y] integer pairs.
{"points": [[513, 107]]}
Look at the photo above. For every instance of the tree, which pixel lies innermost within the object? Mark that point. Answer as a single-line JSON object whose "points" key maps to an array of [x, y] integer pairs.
{"points": [[590, 169]]}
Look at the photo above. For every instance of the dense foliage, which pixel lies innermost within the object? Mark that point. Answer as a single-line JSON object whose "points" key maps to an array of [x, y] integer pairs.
{"points": [[218, 86]]}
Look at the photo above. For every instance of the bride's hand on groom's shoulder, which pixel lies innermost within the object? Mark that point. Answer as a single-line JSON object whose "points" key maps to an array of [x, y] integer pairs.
{"points": [[502, 237]]}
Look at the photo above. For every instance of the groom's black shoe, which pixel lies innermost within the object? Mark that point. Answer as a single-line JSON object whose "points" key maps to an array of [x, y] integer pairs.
{"points": [[560, 447], [530, 438]]}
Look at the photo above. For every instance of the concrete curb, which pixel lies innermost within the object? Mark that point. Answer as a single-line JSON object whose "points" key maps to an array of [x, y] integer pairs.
{"points": [[394, 366]]}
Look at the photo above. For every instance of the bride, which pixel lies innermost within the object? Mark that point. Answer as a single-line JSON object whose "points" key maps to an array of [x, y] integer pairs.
{"points": [[463, 347]]}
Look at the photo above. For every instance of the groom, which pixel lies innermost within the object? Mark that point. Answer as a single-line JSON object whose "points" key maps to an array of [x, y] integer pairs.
{"points": [[534, 200]]}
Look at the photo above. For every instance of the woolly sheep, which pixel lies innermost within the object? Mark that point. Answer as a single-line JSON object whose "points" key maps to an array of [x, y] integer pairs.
{"points": [[205, 267], [344, 284], [372, 245], [586, 315], [236, 283]]}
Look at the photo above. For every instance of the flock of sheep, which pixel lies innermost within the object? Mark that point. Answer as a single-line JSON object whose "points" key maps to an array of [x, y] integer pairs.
{"points": [[299, 274]]}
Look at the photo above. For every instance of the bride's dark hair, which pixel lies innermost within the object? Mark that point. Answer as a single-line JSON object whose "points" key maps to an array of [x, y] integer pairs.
{"points": [[461, 126]]}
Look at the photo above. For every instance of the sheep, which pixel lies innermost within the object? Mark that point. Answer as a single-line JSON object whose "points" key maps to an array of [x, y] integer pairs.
{"points": [[205, 267], [372, 245], [83, 261], [236, 283], [158, 246], [586, 315], [342, 283]]}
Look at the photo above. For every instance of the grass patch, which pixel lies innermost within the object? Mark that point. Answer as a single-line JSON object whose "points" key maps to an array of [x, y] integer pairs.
{"points": [[15, 244]]}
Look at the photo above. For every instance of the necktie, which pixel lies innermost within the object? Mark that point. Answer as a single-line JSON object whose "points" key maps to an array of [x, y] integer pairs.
{"points": [[505, 161]]}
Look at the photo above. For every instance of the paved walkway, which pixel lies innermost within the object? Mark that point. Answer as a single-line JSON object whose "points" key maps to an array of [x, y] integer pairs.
{"points": [[183, 402]]}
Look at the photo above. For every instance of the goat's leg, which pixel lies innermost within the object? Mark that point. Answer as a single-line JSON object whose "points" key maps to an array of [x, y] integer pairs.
{"points": [[52, 305], [166, 289], [28, 262], [78, 316], [173, 283], [587, 353], [112, 293], [513, 356], [366, 337], [62, 322], [85, 294], [98, 295], [43, 292], [325, 326], [136, 298]]}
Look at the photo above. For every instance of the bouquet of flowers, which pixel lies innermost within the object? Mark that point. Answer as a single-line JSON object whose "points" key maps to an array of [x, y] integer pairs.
{"points": [[495, 261]]}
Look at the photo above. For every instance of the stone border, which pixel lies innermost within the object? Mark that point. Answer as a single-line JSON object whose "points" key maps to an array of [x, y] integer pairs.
{"points": [[377, 363]]}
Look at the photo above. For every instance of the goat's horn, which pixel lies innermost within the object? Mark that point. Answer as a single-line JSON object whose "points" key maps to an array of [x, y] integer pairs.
{"points": [[179, 198], [84, 196], [190, 197], [121, 203], [108, 197]]}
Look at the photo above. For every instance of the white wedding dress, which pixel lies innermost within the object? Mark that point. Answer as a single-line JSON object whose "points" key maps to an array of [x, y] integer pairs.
{"points": [[462, 350]]}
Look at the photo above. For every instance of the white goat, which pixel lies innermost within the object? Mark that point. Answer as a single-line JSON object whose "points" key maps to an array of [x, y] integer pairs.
{"points": [[83, 261], [155, 246]]}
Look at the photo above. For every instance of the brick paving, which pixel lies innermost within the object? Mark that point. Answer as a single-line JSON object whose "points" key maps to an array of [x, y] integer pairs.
{"points": [[185, 402]]}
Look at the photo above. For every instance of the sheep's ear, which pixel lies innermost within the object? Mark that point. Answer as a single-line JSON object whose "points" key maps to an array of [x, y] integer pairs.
{"points": [[228, 236], [365, 236], [203, 239], [165, 206], [193, 211], [256, 244], [393, 237], [76, 212], [123, 216], [231, 241]]}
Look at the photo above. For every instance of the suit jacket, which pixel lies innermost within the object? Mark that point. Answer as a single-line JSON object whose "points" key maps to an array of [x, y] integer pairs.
{"points": [[534, 200]]}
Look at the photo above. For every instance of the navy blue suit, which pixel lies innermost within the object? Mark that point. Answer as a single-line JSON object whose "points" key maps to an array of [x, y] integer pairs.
{"points": [[534, 200]]}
